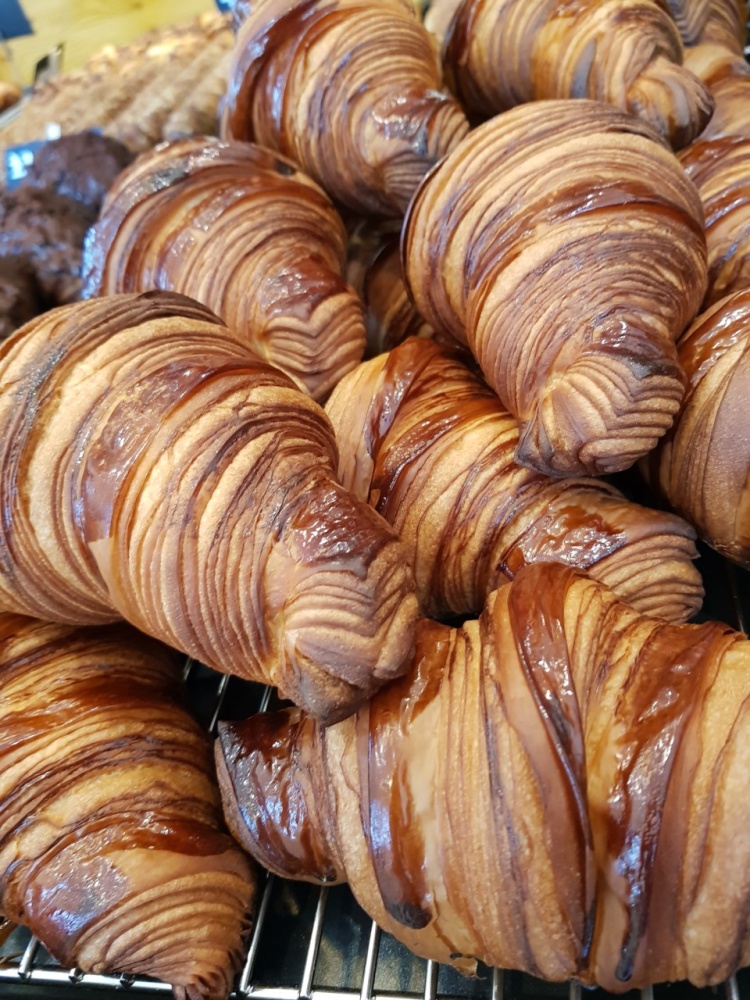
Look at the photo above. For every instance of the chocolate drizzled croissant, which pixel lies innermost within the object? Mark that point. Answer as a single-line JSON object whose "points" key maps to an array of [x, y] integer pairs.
{"points": [[720, 170], [111, 846], [726, 25], [703, 466], [348, 89], [558, 787], [719, 61], [375, 270], [500, 53], [154, 469], [244, 232], [565, 246], [431, 447], [690, 16]]}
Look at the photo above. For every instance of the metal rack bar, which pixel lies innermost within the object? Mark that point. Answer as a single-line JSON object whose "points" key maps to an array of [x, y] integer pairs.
{"points": [[220, 696], [430, 985], [305, 989], [371, 961], [252, 952], [498, 984]]}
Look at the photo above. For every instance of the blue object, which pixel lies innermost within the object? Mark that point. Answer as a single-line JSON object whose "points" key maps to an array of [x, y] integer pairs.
{"points": [[224, 6], [13, 20], [18, 159]]}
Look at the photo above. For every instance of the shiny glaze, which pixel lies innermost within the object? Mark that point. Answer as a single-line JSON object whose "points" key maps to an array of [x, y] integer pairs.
{"points": [[107, 795], [536, 207], [192, 492], [653, 753], [267, 768], [720, 169], [566, 740], [371, 132], [434, 448], [501, 54], [389, 822]]}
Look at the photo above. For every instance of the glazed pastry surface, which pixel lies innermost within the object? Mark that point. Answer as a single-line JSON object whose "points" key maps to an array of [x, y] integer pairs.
{"points": [[628, 53], [555, 788], [350, 90], [112, 849], [152, 468], [703, 466], [431, 447], [243, 231], [564, 245]]}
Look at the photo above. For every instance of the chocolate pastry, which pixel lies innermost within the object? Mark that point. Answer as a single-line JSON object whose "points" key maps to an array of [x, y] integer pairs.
{"points": [[500, 53], [563, 243], [372, 120], [558, 787], [374, 269], [243, 231], [153, 468], [81, 166], [703, 466], [690, 16], [19, 296], [720, 170], [47, 231], [112, 849], [430, 446]]}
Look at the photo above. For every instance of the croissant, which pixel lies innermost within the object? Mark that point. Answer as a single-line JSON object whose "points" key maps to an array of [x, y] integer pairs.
{"points": [[111, 848], [726, 25], [375, 271], [565, 246], [719, 61], [558, 787], [720, 170], [500, 53], [241, 230], [431, 447], [690, 16], [153, 469], [703, 466], [348, 89]]}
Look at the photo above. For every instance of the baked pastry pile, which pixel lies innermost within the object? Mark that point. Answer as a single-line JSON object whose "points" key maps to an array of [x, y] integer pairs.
{"points": [[555, 785], [166, 85]]}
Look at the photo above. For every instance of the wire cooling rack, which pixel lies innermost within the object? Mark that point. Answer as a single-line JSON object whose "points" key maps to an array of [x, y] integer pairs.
{"points": [[309, 943]]}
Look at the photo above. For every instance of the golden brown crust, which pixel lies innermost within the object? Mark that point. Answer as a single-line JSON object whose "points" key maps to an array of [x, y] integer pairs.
{"points": [[720, 170], [514, 245], [426, 442], [553, 788], [111, 846], [726, 25], [719, 61], [690, 16], [375, 271], [375, 121], [625, 52], [130, 91], [243, 231], [703, 467], [155, 469]]}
